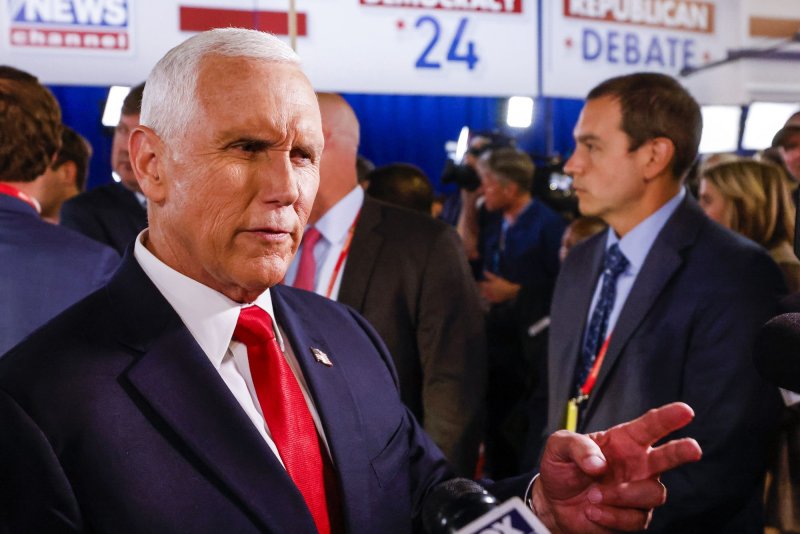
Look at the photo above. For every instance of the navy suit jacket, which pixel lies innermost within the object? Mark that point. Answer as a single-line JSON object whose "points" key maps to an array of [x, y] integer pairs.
{"points": [[114, 420], [43, 270], [407, 274], [110, 214], [685, 333]]}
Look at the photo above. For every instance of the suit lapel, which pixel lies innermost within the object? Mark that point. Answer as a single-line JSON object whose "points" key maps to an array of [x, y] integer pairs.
{"points": [[363, 254], [337, 409], [661, 263], [176, 379], [578, 293]]}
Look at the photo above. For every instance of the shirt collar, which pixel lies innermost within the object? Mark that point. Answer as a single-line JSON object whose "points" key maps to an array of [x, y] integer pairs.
{"points": [[336, 222], [209, 315], [636, 244]]}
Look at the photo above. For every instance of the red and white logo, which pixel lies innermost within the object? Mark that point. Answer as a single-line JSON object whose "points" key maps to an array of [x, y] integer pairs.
{"points": [[85, 25]]}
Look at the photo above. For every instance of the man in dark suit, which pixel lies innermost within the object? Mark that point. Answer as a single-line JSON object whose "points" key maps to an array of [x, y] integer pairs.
{"points": [[406, 273], [192, 395], [113, 213], [679, 321], [43, 268]]}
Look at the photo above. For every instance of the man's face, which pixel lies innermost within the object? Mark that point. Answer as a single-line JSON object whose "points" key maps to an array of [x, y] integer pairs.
{"points": [[496, 192], [57, 186], [790, 152], [607, 177], [240, 181], [120, 159]]}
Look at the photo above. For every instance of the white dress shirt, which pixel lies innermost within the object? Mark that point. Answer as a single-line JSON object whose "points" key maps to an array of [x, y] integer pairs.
{"points": [[211, 318], [334, 227]]}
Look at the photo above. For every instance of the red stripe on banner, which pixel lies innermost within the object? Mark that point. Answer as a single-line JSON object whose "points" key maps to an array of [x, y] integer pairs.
{"points": [[483, 6], [199, 19]]}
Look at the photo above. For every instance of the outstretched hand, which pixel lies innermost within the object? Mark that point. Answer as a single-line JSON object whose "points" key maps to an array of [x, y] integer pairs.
{"points": [[608, 481]]}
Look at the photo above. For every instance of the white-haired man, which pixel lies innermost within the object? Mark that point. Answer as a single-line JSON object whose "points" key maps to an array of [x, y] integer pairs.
{"points": [[204, 397]]}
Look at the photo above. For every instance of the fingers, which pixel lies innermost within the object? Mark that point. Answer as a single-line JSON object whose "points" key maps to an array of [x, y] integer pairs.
{"points": [[572, 448], [619, 519], [657, 423], [625, 507], [674, 453], [641, 494]]}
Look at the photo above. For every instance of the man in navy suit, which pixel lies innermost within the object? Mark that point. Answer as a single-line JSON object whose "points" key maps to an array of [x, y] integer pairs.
{"points": [[677, 320], [114, 213], [144, 408], [43, 268]]}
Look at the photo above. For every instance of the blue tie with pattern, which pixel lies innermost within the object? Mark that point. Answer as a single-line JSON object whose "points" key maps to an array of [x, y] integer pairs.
{"points": [[614, 264]]}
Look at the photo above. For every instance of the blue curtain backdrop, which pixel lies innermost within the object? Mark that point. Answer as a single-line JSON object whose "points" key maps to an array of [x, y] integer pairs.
{"points": [[394, 128]]}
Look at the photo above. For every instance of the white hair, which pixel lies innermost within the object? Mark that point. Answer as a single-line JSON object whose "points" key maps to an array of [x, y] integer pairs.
{"points": [[169, 102]]}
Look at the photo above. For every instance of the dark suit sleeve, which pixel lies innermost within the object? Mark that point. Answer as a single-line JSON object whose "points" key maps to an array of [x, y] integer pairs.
{"points": [[452, 346], [35, 495], [735, 410]]}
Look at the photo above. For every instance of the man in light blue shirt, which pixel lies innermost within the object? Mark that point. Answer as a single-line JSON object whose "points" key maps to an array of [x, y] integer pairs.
{"points": [[665, 306]]}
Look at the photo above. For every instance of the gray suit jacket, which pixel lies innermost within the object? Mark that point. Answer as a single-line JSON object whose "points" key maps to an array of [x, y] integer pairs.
{"points": [[407, 274], [685, 333]]}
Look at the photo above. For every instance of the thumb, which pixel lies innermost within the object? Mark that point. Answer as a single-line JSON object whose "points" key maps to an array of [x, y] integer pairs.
{"points": [[571, 449]]}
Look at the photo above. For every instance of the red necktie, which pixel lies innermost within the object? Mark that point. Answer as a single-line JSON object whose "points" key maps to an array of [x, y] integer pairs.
{"points": [[288, 419], [307, 265]]}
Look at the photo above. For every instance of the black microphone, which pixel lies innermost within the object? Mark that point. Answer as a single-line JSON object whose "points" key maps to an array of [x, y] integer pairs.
{"points": [[462, 506], [454, 504], [778, 351]]}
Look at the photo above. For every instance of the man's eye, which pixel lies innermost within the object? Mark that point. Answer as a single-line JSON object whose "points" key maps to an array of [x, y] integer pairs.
{"points": [[251, 146], [299, 154]]}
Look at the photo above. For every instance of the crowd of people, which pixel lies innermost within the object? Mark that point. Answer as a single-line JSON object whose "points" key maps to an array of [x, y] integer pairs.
{"points": [[173, 351]]}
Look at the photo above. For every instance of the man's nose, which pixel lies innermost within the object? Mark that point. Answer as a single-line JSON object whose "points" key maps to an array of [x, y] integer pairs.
{"points": [[278, 181]]}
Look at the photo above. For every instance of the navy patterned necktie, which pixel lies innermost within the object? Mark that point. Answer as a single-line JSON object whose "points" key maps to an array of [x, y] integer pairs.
{"points": [[614, 264]]}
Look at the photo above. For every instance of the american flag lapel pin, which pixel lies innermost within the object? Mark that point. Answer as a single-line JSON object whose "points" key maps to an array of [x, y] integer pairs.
{"points": [[321, 357]]}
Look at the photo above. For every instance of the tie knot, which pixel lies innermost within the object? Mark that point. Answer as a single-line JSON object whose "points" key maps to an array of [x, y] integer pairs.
{"points": [[254, 326], [615, 261], [311, 236]]}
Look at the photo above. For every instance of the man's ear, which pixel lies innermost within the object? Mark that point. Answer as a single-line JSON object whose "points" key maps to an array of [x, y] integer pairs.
{"points": [[659, 152], [147, 151], [68, 174]]}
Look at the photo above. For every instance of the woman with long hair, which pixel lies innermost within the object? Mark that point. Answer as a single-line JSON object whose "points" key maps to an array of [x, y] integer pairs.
{"points": [[753, 198]]}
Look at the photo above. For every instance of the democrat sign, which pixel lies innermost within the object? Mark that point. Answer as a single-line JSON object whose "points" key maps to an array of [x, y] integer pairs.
{"points": [[455, 47], [448, 47], [587, 41]]}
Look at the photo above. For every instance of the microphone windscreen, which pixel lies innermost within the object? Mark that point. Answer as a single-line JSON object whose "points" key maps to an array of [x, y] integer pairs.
{"points": [[777, 354], [454, 504]]}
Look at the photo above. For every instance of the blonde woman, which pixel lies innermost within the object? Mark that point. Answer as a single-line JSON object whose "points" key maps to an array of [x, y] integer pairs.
{"points": [[753, 198]]}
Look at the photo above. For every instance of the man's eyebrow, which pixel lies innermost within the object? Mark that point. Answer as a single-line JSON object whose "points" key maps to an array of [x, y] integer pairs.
{"points": [[585, 138]]}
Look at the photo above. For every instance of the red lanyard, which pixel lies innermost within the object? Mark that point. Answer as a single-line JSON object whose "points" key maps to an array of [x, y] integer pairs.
{"points": [[342, 256], [10, 191], [588, 386]]}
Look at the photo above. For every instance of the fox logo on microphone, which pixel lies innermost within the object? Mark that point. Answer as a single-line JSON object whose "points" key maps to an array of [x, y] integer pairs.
{"points": [[95, 25], [511, 517]]}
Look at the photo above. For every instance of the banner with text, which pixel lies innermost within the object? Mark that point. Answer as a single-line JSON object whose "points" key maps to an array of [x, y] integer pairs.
{"points": [[588, 41], [455, 47]]}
